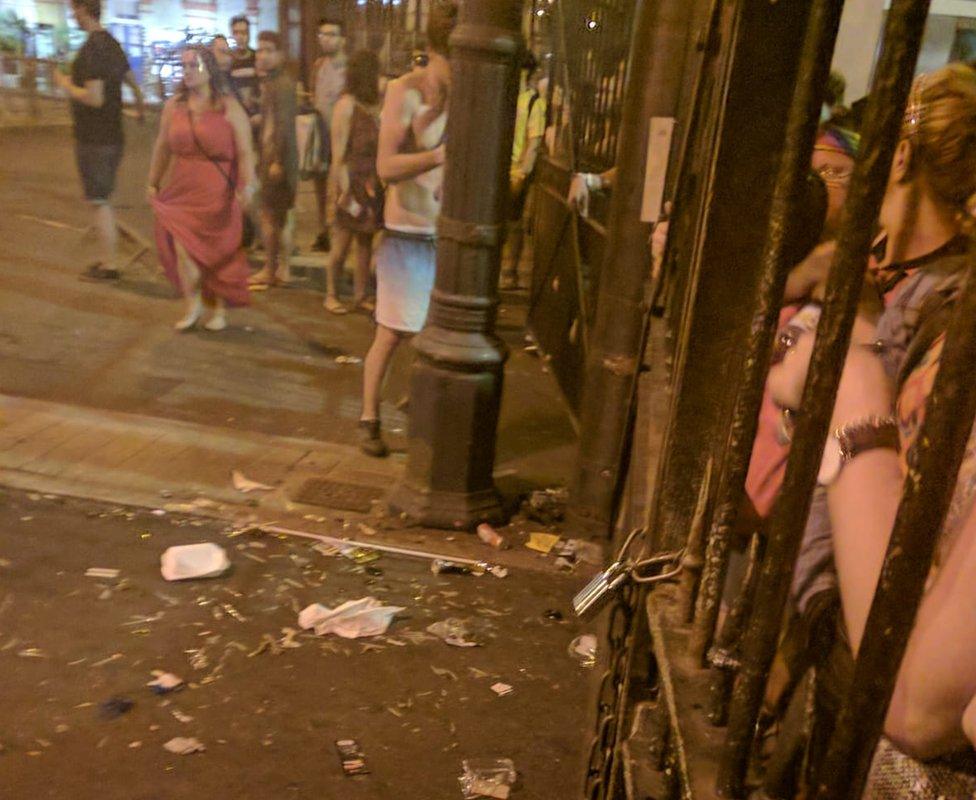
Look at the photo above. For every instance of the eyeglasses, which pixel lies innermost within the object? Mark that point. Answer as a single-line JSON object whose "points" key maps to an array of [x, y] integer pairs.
{"points": [[831, 174]]}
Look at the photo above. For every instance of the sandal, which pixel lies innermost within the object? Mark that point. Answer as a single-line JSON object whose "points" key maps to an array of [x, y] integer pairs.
{"points": [[333, 305]]}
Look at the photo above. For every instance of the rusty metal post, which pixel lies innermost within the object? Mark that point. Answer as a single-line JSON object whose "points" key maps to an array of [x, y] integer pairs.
{"points": [[928, 491], [456, 382], [903, 34], [654, 83], [787, 195]]}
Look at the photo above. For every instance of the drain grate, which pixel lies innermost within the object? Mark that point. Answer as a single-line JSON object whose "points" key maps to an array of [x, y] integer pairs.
{"points": [[334, 494]]}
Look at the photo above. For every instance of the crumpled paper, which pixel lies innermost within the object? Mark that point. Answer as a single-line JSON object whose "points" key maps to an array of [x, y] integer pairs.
{"points": [[183, 746], [352, 620]]}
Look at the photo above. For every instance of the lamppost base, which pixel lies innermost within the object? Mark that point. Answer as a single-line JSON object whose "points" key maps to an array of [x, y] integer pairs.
{"points": [[447, 510]]}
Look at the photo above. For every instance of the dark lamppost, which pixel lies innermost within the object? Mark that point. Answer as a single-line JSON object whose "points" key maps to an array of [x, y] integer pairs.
{"points": [[456, 382]]}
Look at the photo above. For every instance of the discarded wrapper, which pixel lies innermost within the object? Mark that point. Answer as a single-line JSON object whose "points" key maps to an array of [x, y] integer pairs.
{"points": [[360, 555], [454, 632], [352, 620], [102, 572], [491, 537], [547, 506], [487, 777], [204, 560], [165, 682], [348, 360], [583, 649], [542, 542], [502, 689], [351, 757], [441, 566], [184, 746]]}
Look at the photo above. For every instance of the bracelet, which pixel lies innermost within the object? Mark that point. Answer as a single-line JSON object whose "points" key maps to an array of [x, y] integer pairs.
{"points": [[853, 438]]}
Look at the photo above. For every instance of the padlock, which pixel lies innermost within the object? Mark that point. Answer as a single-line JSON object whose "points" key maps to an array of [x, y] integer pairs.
{"points": [[599, 591]]}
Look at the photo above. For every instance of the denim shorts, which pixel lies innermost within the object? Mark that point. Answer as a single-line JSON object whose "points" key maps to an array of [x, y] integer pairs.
{"points": [[97, 165]]}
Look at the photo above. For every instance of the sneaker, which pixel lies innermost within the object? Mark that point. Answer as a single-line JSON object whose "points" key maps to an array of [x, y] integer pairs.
{"points": [[97, 272], [322, 243], [370, 440]]}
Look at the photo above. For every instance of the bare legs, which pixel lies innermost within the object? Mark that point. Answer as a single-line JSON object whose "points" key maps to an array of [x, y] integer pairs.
{"points": [[278, 240], [337, 258], [364, 259], [342, 240], [189, 274], [375, 367]]}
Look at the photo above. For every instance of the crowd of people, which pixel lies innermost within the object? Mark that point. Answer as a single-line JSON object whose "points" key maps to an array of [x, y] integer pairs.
{"points": [[235, 140], [913, 280]]}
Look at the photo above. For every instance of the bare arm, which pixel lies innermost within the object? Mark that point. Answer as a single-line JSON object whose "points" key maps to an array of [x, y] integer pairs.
{"points": [[161, 152], [91, 94], [937, 678], [132, 83], [392, 165], [339, 130]]}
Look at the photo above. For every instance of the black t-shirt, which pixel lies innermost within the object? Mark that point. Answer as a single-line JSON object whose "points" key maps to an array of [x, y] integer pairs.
{"points": [[244, 79], [101, 58]]}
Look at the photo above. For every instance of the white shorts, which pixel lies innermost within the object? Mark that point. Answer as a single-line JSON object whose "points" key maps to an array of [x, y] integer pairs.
{"points": [[405, 268]]}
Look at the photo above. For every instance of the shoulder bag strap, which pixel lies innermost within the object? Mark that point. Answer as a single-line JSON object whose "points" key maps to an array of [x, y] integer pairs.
{"points": [[210, 158]]}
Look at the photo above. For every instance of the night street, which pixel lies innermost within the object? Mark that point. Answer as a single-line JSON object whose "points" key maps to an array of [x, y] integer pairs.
{"points": [[273, 371], [267, 716], [101, 399]]}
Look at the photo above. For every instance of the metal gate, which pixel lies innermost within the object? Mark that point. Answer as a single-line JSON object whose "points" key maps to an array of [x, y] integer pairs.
{"points": [[678, 705]]}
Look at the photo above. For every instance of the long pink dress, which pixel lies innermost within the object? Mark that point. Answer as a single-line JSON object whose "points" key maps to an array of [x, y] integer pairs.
{"points": [[198, 207]]}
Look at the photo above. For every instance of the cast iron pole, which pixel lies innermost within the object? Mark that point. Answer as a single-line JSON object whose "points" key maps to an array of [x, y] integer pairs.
{"points": [[456, 382], [654, 81]]}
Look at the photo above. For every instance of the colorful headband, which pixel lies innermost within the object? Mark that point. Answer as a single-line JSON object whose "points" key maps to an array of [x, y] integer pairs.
{"points": [[835, 139]]}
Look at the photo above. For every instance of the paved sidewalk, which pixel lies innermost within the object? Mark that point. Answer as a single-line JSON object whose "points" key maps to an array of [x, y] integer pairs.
{"points": [[148, 461]]}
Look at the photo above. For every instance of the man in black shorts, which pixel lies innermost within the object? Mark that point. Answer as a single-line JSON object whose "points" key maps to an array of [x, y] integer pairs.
{"points": [[95, 91]]}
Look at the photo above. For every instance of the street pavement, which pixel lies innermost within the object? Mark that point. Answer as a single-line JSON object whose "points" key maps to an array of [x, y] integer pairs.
{"points": [[267, 714], [102, 402], [274, 371]]}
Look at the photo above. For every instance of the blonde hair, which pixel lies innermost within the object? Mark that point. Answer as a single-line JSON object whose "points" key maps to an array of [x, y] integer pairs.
{"points": [[940, 123]]}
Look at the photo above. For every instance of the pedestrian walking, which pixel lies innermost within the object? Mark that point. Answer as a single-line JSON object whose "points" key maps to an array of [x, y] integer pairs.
{"points": [[94, 88], [530, 125], [224, 57], [204, 146], [359, 208], [277, 161], [410, 161], [243, 70], [328, 80]]}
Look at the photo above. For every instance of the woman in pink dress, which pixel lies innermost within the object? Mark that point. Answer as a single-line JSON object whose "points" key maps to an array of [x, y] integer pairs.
{"points": [[202, 172]]}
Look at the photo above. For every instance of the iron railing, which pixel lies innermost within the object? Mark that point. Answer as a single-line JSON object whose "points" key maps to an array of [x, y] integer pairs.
{"points": [[710, 683]]}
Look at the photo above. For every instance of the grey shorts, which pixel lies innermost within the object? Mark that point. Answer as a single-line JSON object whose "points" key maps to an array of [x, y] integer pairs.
{"points": [[405, 268], [98, 165]]}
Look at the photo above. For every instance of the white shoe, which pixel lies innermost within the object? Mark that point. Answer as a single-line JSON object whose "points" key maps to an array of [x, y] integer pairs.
{"points": [[216, 323], [191, 319]]}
